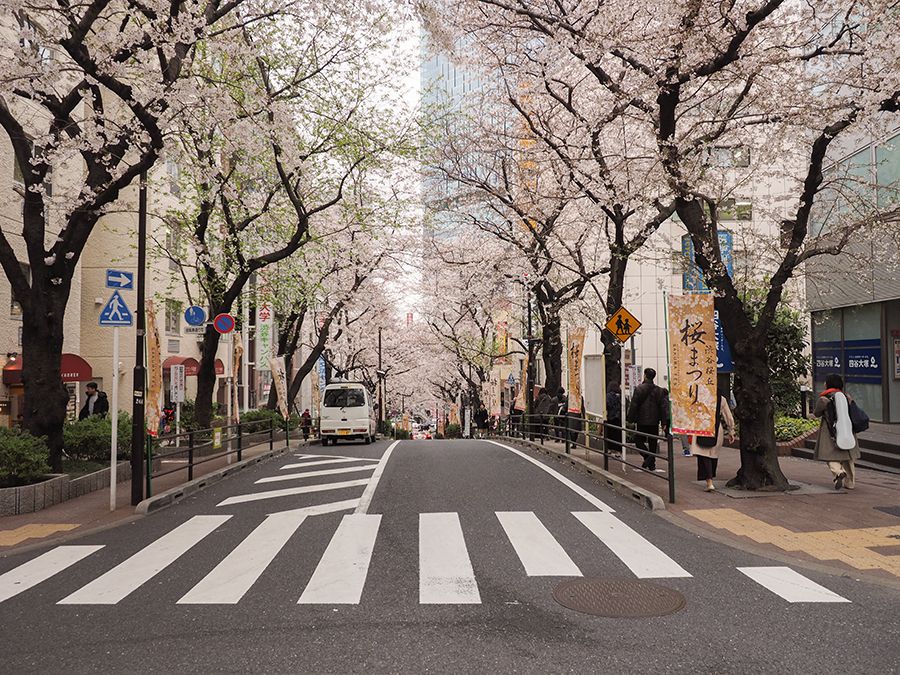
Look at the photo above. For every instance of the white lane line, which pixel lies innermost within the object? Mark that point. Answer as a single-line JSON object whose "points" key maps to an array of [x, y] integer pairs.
{"points": [[790, 585], [641, 557], [40, 569], [339, 460], [123, 579], [445, 571], [272, 494], [240, 569], [341, 573], [366, 500], [540, 553], [581, 492], [313, 474], [319, 509], [368, 459]]}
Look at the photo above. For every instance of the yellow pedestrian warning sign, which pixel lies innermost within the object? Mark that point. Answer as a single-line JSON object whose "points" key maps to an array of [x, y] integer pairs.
{"points": [[623, 324]]}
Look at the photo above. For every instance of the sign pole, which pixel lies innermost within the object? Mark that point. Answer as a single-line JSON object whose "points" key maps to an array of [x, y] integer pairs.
{"points": [[139, 374], [114, 420], [229, 396], [177, 425], [622, 399]]}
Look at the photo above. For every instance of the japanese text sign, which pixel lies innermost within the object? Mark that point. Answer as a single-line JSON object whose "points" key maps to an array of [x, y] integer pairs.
{"points": [[692, 345], [575, 352]]}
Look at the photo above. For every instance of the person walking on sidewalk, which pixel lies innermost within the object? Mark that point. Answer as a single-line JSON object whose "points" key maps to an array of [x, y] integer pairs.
{"points": [[614, 418], [648, 410], [96, 402], [706, 448], [305, 424], [836, 442], [542, 411]]}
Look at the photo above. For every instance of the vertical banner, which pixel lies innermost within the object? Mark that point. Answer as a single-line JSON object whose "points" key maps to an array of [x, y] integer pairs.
{"points": [[238, 352], [177, 384], [279, 381], [454, 414], [265, 331], [575, 354], [692, 349], [520, 402], [154, 372]]}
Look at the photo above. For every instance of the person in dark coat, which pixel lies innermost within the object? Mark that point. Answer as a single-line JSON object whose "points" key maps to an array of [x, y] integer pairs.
{"points": [[543, 407], [96, 402], [614, 417], [305, 424], [561, 408], [648, 411], [481, 420]]}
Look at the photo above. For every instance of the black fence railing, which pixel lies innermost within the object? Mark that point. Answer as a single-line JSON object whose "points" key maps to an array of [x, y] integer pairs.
{"points": [[190, 449], [613, 443]]}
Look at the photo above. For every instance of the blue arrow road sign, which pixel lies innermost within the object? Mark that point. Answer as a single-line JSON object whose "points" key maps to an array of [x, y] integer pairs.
{"points": [[195, 316], [119, 279], [116, 312]]}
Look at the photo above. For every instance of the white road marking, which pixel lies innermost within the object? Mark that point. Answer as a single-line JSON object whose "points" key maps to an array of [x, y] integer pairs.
{"points": [[313, 474], [40, 569], [234, 576], [339, 460], [110, 588], [366, 500], [790, 585], [540, 553], [333, 457], [318, 509], [341, 573], [272, 494], [641, 557], [445, 571], [581, 492]]}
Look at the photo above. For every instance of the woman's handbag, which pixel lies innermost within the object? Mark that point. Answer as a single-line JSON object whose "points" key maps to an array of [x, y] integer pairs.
{"points": [[859, 420]]}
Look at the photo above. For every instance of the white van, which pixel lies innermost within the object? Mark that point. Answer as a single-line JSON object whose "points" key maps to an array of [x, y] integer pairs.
{"points": [[347, 412]]}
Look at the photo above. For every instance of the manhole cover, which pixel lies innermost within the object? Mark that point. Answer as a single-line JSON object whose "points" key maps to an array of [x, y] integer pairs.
{"points": [[618, 598]]}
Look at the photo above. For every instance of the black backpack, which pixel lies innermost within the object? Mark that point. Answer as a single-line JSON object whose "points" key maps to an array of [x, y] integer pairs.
{"points": [[712, 441]]}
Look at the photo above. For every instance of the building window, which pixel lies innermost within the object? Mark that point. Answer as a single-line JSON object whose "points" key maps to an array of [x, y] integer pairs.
{"points": [[173, 173], [887, 167], [729, 156], [32, 40], [735, 209], [173, 316], [15, 309]]}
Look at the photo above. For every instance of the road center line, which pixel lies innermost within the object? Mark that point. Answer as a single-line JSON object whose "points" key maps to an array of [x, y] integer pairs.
{"points": [[366, 500], [581, 492]]}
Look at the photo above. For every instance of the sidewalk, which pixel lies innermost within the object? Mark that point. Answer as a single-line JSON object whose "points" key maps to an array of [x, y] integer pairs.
{"points": [[90, 512], [850, 532]]}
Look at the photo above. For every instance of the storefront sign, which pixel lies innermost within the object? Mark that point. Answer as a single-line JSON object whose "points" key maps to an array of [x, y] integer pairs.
{"points": [[692, 345], [855, 360], [575, 353], [177, 383], [724, 362], [692, 280]]}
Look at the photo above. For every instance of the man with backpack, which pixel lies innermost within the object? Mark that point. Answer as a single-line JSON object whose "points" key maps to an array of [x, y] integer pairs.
{"points": [[648, 411]]}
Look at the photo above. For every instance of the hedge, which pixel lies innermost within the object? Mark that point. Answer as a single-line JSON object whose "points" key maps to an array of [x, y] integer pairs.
{"points": [[23, 457], [89, 439]]}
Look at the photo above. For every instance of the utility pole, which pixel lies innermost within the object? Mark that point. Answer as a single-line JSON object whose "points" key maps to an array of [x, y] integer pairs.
{"points": [[529, 373], [139, 377], [380, 373]]}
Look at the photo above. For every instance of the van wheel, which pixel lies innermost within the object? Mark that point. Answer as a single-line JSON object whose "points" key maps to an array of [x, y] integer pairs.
{"points": [[325, 441]]}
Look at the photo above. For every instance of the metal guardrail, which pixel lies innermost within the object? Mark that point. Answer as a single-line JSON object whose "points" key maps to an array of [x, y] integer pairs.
{"points": [[190, 445], [535, 427]]}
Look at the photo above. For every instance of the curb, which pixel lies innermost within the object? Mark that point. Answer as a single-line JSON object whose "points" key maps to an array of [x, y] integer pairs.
{"points": [[649, 500], [175, 494]]}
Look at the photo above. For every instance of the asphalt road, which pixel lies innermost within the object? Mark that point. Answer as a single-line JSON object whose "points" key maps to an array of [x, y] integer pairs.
{"points": [[445, 580]]}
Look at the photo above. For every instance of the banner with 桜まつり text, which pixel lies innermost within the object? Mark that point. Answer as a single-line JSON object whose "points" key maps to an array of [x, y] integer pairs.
{"points": [[575, 352], [692, 350]]}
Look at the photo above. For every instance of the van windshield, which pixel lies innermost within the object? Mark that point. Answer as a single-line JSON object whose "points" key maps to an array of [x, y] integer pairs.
{"points": [[344, 398]]}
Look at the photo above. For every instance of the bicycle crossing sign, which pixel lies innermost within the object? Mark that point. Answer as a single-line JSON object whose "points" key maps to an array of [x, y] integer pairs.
{"points": [[116, 312], [623, 324]]}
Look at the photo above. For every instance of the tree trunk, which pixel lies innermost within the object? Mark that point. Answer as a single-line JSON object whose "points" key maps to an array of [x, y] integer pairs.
{"points": [[45, 395], [551, 353], [206, 378], [612, 348]]}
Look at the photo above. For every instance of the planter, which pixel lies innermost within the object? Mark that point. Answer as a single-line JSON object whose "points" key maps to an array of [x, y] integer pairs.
{"points": [[784, 447], [55, 489]]}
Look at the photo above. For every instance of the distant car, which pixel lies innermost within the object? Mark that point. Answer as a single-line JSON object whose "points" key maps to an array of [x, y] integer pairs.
{"points": [[421, 435]]}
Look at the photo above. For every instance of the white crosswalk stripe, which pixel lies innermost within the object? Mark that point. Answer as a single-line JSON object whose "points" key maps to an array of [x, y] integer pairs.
{"points": [[445, 571], [314, 474], [342, 571], [339, 460], [540, 553], [125, 578], [790, 585], [286, 492]]}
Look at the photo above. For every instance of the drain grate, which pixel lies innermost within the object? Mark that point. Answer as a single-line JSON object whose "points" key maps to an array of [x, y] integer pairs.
{"points": [[618, 598]]}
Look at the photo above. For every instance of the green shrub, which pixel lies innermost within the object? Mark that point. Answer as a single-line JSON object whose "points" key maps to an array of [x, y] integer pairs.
{"points": [[452, 431], [789, 428], [264, 415], [89, 439], [23, 457]]}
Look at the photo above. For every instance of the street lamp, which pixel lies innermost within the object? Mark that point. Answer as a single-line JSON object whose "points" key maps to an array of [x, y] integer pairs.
{"points": [[139, 377]]}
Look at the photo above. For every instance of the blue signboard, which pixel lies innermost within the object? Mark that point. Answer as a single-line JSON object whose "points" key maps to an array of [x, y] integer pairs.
{"points": [[855, 360], [116, 312], [725, 364], [119, 279], [692, 280], [195, 316], [320, 369]]}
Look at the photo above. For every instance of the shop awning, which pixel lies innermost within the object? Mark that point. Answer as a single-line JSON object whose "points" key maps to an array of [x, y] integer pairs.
{"points": [[220, 367], [73, 369], [191, 365]]}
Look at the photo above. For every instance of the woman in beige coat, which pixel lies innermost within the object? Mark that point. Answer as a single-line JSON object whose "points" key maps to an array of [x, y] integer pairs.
{"points": [[706, 449], [829, 448]]}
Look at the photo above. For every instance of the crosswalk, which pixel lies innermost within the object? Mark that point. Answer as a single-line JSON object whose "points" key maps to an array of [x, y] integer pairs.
{"points": [[445, 560]]}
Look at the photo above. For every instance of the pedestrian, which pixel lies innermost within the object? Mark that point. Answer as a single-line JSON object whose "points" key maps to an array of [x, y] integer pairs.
{"points": [[706, 448], [613, 418], [648, 411], [561, 408], [481, 420], [543, 407], [305, 423], [96, 402], [836, 442]]}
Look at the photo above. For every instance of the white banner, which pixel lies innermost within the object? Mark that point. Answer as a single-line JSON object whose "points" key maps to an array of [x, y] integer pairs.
{"points": [[176, 384], [265, 335], [279, 379]]}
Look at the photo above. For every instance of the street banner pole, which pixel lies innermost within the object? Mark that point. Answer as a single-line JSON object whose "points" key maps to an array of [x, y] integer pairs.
{"points": [[229, 395], [622, 402], [114, 420]]}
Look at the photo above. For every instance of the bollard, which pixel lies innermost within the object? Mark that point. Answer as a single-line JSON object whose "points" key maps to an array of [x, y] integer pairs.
{"points": [[566, 432], [287, 434], [190, 455], [605, 446], [240, 441], [149, 456], [670, 447], [271, 435]]}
